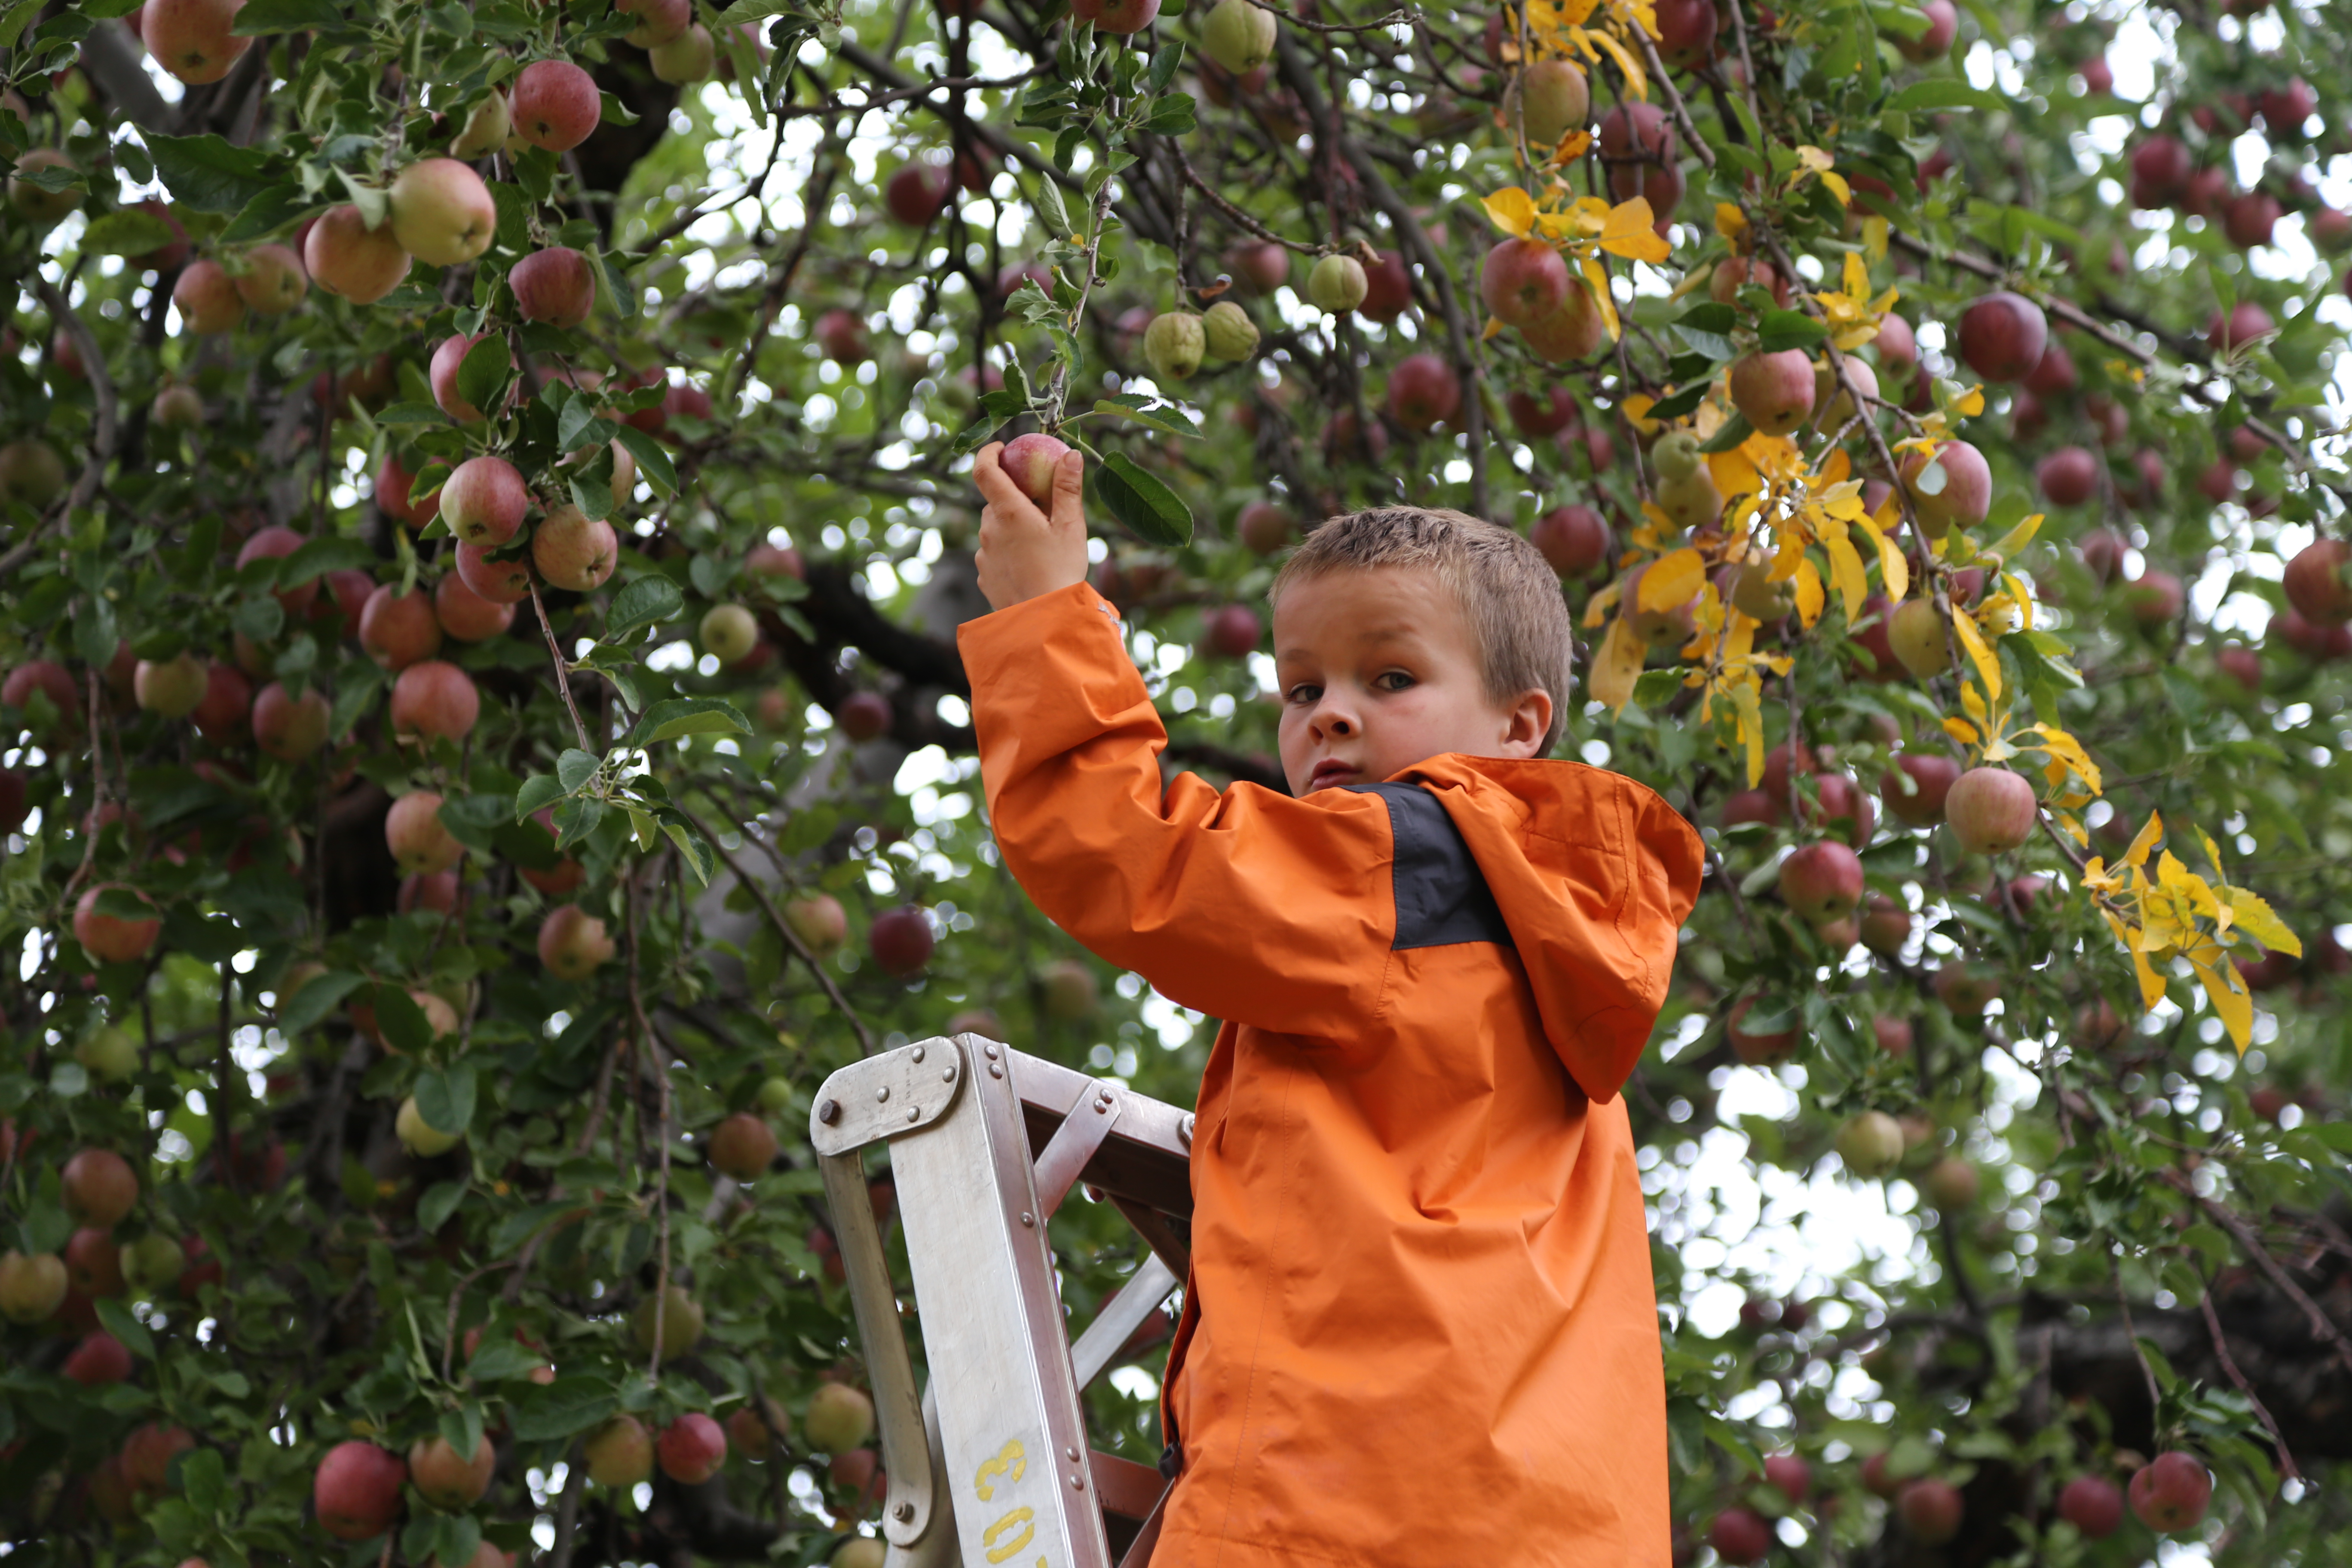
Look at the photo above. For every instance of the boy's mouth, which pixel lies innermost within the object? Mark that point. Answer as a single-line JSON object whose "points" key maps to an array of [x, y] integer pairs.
{"points": [[1329, 771]]}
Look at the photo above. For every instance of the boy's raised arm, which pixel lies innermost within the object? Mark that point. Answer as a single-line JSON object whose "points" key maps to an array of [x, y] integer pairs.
{"points": [[1248, 905]]}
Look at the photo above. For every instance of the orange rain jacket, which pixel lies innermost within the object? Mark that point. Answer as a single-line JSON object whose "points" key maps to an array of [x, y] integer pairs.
{"points": [[1420, 1330]]}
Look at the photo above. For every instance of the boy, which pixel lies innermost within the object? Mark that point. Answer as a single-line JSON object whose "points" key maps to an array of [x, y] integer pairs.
{"points": [[1420, 1330]]}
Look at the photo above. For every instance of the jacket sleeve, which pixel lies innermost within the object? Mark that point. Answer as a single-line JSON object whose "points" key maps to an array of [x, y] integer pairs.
{"points": [[1247, 906]]}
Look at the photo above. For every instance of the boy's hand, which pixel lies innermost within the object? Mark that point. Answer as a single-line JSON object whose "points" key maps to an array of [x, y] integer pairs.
{"points": [[1024, 553]]}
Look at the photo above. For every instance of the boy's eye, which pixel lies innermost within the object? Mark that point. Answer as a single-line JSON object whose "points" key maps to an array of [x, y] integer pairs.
{"points": [[1304, 692], [1394, 680]]}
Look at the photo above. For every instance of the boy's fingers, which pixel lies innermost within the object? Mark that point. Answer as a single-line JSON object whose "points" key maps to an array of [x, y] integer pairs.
{"points": [[989, 474], [1069, 491]]}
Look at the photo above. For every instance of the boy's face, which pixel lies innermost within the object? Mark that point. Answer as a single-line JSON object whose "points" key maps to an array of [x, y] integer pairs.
{"points": [[1378, 672]]}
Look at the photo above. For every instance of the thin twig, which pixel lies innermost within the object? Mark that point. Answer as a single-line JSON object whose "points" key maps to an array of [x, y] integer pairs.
{"points": [[2230, 1365], [562, 670]]}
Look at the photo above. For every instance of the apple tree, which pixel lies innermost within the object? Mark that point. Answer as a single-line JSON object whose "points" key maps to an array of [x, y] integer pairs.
{"points": [[484, 514]]}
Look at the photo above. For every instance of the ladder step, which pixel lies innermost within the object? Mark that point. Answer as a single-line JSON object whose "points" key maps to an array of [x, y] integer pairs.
{"points": [[1087, 1122], [1117, 1318]]}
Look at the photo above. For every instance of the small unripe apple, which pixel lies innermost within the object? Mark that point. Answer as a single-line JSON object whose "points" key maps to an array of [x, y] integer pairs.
{"points": [[1238, 36], [1228, 332], [1918, 635], [1174, 344], [838, 1418], [619, 1454], [172, 687], [681, 1322], [178, 408], [691, 57], [1553, 98], [1870, 1144], [1337, 284], [442, 213], [31, 1287], [819, 921], [110, 1052], [488, 125], [572, 944], [728, 632], [357, 1490], [414, 833], [900, 940], [1029, 462], [1952, 1183], [554, 105], [420, 1137], [435, 699]]}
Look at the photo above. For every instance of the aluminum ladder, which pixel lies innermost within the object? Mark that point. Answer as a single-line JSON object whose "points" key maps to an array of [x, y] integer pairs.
{"points": [[991, 1464]]}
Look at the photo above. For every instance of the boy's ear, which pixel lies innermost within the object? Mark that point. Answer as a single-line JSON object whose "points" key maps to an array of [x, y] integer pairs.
{"points": [[1528, 721]]}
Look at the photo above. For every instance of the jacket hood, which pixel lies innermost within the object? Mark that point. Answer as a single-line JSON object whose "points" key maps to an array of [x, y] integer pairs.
{"points": [[1594, 875]]}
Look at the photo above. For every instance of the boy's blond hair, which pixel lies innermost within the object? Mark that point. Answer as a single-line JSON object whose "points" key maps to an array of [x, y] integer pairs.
{"points": [[1518, 621]]}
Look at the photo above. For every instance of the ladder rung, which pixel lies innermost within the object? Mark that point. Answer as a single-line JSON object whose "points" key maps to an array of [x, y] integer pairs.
{"points": [[1116, 1322], [1147, 1157], [1082, 1131]]}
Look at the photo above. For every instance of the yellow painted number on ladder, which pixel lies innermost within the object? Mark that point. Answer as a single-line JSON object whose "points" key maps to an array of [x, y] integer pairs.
{"points": [[1020, 1516], [1010, 1462]]}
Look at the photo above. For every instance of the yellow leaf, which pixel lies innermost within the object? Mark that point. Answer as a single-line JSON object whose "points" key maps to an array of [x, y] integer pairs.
{"points": [[1729, 221], [1628, 232], [1637, 84], [1845, 570], [1616, 667], [1812, 160], [2063, 747], [1972, 643], [1596, 283], [1636, 408], [1893, 568], [2073, 828], [2257, 920], [1672, 579], [1857, 277], [2144, 841], [1970, 403], [1973, 700], [1572, 147], [1750, 719], [1512, 210], [1873, 237], [2010, 543], [1734, 473], [1960, 730], [2233, 1004], [1832, 475], [1604, 599], [1838, 188], [2151, 985], [1810, 594]]}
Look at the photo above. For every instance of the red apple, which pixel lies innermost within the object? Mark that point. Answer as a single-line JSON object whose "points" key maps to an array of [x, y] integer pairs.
{"points": [[99, 1188], [1572, 538], [2248, 218], [287, 727], [447, 1480], [555, 105], [55, 685], [1232, 631], [2171, 1493], [1822, 881], [357, 1490], [1943, 20], [1741, 1535], [556, 285], [1571, 332], [398, 629], [446, 360], [2068, 477], [2315, 585], [900, 940], [1387, 287], [190, 38], [2092, 1504], [110, 939], [100, 1358], [148, 1453], [273, 281], [227, 698], [442, 213], [499, 581], [392, 481], [1029, 462], [1754, 1047], [819, 921], [435, 891], [691, 1449], [2002, 335], [1930, 1509], [574, 550], [435, 699], [1956, 492], [863, 716], [207, 297], [2155, 598], [572, 944], [484, 502], [918, 193], [1522, 281], [841, 335], [742, 1146], [465, 614], [1991, 809], [347, 258], [1774, 391], [413, 831], [1931, 775], [619, 1454], [2245, 322], [1424, 392], [279, 542], [1894, 1035]]}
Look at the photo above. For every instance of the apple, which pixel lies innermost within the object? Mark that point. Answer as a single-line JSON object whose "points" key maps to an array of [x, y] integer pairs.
{"points": [[177, 408], [2155, 598], [1264, 527], [436, 892], [658, 21], [554, 104], [1237, 34], [1737, 272], [1232, 631], [1943, 21], [2248, 218], [1522, 281], [1870, 1144], [1174, 344], [2171, 1493], [2245, 322], [1424, 392], [467, 616], [392, 484], [445, 1478], [499, 581], [1964, 989], [864, 716], [40, 207], [190, 38], [434, 697], [148, 1452], [2160, 166], [859, 1551], [1789, 1474], [1822, 881], [1337, 284], [1571, 332], [748, 1432], [1931, 776], [52, 684], [1388, 286], [1029, 462], [1753, 1047], [2002, 335], [841, 335], [1917, 633], [2242, 664], [1261, 264], [287, 727], [110, 939], [414, 833], [681, 1322], [1991, 809], [916, 193], [742, 1146], [442, 213], [1069, 990], [347, 258], [2092, 1504], [555, 285], [1952, 1183], [171, 688], [399, 629], [1750, 806], [99, 1187], [1774, 391], [424, 1141], [2314, 582], [858, 1475], [357, 1490], [838, 1418], [619, 1454], [691, 1449], [229, 697], [31, 1288], [819, 921], [484, 502], [207, 297], [1536, 417], [1894, 1035], [1552, 97], [900, 940], [561, 880], [1572, 540], [1633, 137], [572, 942], [276, 543], [2068, 477], [688, 57], [728, 632], [574, 550], [110, 1052], [1930, 1509], [487, 126], [98, 1359], [1666, 626], [1951, 485], [1741, 1535], [775, 561], [273, 281], [1833, 404], [446, 360]]}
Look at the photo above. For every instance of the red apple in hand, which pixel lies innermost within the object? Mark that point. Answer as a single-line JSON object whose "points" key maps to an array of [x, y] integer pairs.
{"points": [[1029, 462]]}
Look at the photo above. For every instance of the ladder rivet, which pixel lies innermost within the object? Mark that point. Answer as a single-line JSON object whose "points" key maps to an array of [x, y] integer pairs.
{"points": [[947, 1074], [918, 1053], [904, 1511], [914, 1114], [995, 1071], [828, 1111], [1072, 1455], [883, 1093], [1025, 1219], [989, 1051], [1077, 1483]]}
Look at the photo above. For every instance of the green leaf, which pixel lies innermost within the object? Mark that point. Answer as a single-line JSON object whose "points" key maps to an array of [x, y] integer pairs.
{"points": [[576, 768], [208, 173], [319, 995], [1168, 420], [1155, 513], [676, 716], [653, 458], [116, 1320], [642, 603], [563, 1408], [127, 232], [1779, 329], [401, 1021], [1735, 430], [486, 371], [1945, 92], [411, 414], [321, 556], [538, 791], [501, 1361], [272, 211], [1172, 114], [446, 1099], [262, 17]]}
